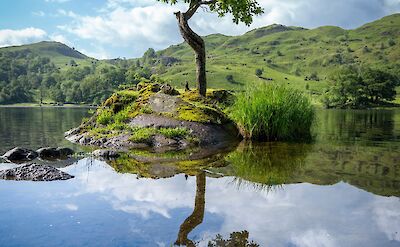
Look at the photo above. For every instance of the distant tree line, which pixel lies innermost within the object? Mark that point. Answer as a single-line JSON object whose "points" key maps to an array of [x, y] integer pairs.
{"points": [[26, 77]]}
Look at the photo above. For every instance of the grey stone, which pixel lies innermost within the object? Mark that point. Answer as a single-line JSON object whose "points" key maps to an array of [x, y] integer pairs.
{"points": [[64, 152], [162, 141], [105, 153], [20, 154], [48, 153], [207, 134], [54, 153], [34, 172]]}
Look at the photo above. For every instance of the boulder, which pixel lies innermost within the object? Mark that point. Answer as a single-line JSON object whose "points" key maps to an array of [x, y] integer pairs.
{"points": [[19, 154], [105, 153], [34, 172], [208, 134], [65, 152], [48, 153], [54, 153]]}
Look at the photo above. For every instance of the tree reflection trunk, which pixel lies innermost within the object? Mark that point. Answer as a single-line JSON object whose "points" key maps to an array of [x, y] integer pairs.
{"points": [[196, 218]]}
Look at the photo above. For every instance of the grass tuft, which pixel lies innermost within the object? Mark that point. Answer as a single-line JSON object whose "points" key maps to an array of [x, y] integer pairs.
{"points": [[177, 132], [273, 112]]}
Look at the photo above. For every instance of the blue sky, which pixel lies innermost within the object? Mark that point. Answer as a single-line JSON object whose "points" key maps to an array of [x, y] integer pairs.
{"points": [[126, 28]]}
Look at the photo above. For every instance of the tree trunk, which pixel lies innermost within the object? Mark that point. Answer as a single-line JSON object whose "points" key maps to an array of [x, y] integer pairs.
{"points": [[197, 216], [197, 44]]}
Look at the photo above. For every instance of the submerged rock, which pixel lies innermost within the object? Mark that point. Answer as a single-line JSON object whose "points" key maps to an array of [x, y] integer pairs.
{"points": [[19, 154], [105, 153], [34, 172], [54, 153]]}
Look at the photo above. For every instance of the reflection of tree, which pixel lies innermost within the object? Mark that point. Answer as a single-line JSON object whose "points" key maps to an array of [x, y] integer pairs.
{"points": [[196, 218], [237, 239]]}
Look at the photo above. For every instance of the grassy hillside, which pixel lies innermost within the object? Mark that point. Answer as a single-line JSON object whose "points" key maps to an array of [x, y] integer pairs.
{"points": [[301, 58], [289, 55], [60, 54]]}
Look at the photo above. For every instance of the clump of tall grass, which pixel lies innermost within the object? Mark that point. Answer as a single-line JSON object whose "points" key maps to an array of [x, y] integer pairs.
{"points": [[273, 112]]}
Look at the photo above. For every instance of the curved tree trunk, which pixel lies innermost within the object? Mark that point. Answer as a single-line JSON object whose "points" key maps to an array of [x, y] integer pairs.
{"points": [[197, 44]]}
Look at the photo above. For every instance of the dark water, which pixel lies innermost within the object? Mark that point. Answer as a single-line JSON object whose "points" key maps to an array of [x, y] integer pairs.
{"points": [[343, 189]]}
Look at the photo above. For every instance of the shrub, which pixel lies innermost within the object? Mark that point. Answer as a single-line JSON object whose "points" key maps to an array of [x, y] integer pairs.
{"points": [[392, 42], [259, 72], [142, 134], [273, 112], [105, 117], [229, 78]]}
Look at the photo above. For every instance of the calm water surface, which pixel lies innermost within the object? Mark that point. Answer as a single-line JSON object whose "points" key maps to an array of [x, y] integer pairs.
{"points": [[343, 189]]}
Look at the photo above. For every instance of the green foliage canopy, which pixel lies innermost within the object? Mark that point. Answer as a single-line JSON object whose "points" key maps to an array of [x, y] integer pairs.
{"points": [[360, 87], [241, 10]]}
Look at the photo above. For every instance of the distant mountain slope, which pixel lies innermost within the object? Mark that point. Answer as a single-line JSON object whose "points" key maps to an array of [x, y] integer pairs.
{"points": [[289, 53], [60, 54]]}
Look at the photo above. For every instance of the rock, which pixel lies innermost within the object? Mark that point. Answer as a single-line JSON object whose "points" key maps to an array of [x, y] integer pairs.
{"points": [[162, 144], [73, 131], [105, 153], [85, 140], [168, 89], [161, 103], [54, 153], [48, 153], [207, 134], [20, 154], [34, 172], [65, 152]]}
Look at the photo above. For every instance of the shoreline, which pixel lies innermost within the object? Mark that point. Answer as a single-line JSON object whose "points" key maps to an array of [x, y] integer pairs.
{"points": [[35, 105]]}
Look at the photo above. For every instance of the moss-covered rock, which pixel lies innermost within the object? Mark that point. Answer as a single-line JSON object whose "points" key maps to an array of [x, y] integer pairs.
{"points": [[158, 116]]}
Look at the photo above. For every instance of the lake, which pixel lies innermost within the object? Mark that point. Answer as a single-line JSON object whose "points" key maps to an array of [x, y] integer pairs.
{"points": [[341, 189]]}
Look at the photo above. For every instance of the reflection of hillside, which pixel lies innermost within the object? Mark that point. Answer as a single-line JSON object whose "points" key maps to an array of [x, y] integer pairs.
{"points": [[374, 169], [357, 126]]}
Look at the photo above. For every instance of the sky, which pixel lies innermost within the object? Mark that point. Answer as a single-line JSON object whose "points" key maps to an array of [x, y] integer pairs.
{"points": [[126, 28]]}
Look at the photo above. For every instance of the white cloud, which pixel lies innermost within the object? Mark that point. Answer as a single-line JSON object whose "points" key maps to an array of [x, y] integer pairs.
{"points": [[300, 215], [139, 24], [9, 37], [387, 216], [38, 13], [312, 238], [139, 28], [60, 38]]}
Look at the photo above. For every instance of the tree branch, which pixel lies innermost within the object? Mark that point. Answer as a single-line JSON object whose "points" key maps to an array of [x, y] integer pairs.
{"points": [[194, 5]]}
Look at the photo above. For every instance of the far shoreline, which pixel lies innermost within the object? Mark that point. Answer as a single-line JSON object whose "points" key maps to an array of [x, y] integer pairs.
{"points": [[36, 105]]}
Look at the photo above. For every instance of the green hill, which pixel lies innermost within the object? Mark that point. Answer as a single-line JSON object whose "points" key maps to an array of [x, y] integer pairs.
{"points": [[292, 55], [302, 58], [60, 54]]}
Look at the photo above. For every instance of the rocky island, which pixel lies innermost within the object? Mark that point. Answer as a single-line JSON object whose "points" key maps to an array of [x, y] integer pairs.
{"points": [[158, 117]]}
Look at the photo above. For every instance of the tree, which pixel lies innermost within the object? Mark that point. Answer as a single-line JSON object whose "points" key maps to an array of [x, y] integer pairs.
{"points": [[354, 87], [241, 10]]}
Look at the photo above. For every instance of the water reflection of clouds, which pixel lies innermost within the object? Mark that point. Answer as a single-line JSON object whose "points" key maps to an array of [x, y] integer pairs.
{"points": [[142, 196], [387, 216], [297, 215]]}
